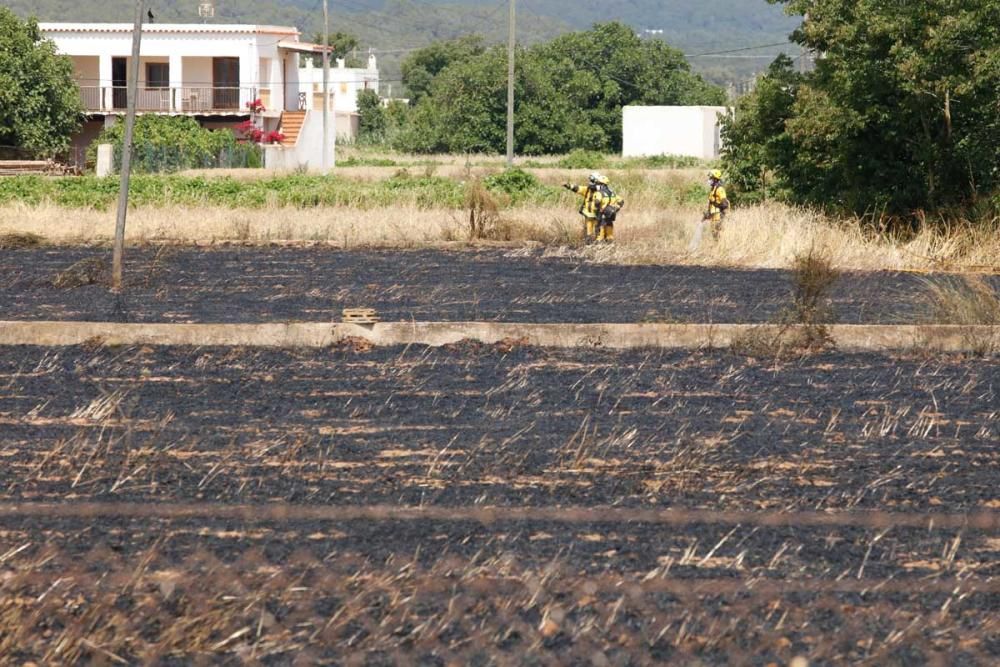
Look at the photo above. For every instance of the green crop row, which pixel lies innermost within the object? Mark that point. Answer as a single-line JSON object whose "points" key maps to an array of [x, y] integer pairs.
{"points": [[512, 187], [293, 190]]}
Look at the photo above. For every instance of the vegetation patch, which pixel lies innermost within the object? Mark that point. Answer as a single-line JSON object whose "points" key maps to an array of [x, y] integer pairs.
{"points": [[969, 301], [582, 158], [90, 271], [803, 325], [172, 143], [15, 240], [294, 190]]}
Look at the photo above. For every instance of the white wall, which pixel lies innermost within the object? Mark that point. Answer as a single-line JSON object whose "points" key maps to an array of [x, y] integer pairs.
{"points": [[291, 79], [661, 130], [307, 151], [87, 70], [345, 83], [197, 71], [188, 47]]}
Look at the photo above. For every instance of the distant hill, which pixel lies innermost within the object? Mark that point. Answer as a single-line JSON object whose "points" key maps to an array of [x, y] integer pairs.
{"points": [[395, 26]]}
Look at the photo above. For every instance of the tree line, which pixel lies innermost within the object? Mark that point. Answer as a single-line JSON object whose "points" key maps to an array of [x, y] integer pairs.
{"points": [[569, 93], [900, 116]]}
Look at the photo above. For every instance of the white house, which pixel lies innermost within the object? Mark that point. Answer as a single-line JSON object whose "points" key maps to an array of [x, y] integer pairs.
{"points": [[344, 84], [692, 131], [208, 71]]}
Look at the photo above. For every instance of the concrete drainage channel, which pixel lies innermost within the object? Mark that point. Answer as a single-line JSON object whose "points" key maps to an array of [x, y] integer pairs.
{"points": [[847, 337]]}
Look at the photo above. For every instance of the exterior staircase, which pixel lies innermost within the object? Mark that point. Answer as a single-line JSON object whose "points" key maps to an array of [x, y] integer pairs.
{"points": [[290, 125]]}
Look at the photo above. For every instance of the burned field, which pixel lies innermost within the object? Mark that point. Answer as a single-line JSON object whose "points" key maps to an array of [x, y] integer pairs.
{"points": [[257, 284], [581, 438], [491, 425]]}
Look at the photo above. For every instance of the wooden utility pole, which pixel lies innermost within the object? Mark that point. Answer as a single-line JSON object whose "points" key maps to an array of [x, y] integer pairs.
{"points": [[511, 39], [326, 87], [126, 166]]}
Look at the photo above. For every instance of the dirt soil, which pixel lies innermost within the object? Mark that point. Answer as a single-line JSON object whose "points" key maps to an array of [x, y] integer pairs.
{"points": [[470, 426], [257, 284]]}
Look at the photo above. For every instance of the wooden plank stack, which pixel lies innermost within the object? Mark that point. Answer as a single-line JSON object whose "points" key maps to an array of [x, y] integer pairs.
{"points": [[37, 167], [360, 315]]}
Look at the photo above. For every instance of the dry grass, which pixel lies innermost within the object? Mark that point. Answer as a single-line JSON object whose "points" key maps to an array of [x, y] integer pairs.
{"points": [[404, 226], [968, 301], [628, 180], [13, 240], [802, 327], [770, 235], [90, 271]]}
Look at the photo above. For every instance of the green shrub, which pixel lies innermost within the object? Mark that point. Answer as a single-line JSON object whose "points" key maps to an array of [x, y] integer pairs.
{"points": [[581, 158], [662, 162], [512, 181], [520, 186], [355, 161], [172, 143]]}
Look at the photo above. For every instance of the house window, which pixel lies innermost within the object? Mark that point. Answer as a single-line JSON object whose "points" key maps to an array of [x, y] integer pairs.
{"points": [[157, 75]]}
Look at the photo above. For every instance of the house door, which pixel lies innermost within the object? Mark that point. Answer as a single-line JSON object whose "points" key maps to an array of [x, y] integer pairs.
{"points": [[119, 82], [225, 83]]}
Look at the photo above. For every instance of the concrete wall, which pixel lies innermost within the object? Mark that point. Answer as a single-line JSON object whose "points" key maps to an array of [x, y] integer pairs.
{"points": [[660, 130], [345, 83], [308, 150], [197, 71], [87, 70], [309, 147], [82, 139], [846, 337], [348, 125], [290, 61]]}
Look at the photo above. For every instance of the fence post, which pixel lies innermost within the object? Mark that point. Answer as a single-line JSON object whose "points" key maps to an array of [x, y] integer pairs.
{"points": [[133, 84], [105, 160]]}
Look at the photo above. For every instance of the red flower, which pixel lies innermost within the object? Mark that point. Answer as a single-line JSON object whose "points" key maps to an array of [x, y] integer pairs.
{"points": [[274, 137], [247, 131], [256, 106]]}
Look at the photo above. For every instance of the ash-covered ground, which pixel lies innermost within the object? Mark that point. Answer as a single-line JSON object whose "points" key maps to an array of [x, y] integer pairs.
{"points": [[260, 284], [473, 426]]}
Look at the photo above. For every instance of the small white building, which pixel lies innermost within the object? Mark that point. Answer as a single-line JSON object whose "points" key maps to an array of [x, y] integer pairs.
{"points": [[344, 84], [207, 71], [692, 131]]}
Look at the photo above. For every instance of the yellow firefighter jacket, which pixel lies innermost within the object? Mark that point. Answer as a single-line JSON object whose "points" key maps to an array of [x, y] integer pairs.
{"points": [[717, 203], [591, 199], [595, 199]]}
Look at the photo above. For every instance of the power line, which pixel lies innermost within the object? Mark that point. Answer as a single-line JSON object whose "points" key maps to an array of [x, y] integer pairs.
{"points": [[752, 57], [745, 48]]}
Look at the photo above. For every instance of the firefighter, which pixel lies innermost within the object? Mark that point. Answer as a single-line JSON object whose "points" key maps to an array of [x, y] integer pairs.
{"points": [[607, 204], [599, 208], [718, 203]]}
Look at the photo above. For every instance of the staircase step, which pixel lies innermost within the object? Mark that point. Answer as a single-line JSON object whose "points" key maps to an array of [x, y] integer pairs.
{"points": [[290, 125]]}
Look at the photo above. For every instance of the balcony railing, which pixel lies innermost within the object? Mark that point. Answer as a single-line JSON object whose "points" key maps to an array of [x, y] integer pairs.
{"points": [[176, 99]]}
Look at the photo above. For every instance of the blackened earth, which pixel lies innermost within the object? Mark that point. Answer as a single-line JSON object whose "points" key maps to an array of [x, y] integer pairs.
{"points": [[259, 284], [475, 425]]}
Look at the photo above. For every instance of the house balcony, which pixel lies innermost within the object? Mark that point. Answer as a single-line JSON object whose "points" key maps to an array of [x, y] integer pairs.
{"points": [[218, 100]]}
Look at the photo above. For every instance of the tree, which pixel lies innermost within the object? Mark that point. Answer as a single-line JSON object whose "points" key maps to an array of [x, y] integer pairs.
{"points": [[607, 67], [900, 114], [424, 64], [342, 44], [40, 105], [372, 117], [754, 141], [568, 94]]}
